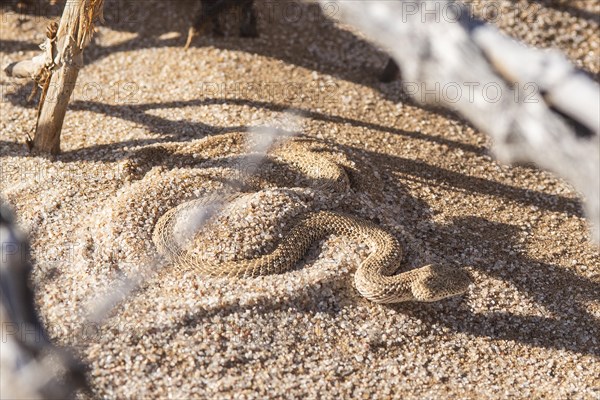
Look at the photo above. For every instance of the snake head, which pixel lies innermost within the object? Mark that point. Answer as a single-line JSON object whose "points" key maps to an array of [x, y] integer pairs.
{"points": [[436, 282]]}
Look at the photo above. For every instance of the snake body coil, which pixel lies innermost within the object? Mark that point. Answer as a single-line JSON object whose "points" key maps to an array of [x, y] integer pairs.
{"points": [[374, 278]]}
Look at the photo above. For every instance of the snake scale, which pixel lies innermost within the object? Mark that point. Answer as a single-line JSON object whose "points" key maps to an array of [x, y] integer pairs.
{"points": [[375, 278]]}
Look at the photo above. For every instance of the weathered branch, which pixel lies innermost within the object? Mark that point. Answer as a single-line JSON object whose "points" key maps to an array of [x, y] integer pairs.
{"points": [[534, 104], [56, 69]]}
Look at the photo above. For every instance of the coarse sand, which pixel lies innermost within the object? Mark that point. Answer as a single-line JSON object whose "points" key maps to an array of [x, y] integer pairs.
{"points": [[151, 125]]}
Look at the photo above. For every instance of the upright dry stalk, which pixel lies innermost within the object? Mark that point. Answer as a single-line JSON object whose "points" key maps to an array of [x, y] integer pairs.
{"points": [[74, 33], [56, 69]]}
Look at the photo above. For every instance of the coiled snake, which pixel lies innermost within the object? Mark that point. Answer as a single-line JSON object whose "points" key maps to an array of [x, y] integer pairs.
{"points": [[374, 278]]}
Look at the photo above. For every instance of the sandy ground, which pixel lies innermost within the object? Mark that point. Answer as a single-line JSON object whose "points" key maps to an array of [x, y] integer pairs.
{"points": [[151, 125]]}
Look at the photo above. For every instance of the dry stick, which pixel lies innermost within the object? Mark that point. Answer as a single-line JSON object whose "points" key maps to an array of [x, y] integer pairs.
{"points": [[52, 113], [63, 57], [554, 123], [74, 33]]}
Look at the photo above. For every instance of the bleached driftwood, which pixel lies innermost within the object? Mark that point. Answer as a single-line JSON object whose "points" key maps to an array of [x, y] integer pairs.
{"points": [[56, 69], [534, 104]]}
